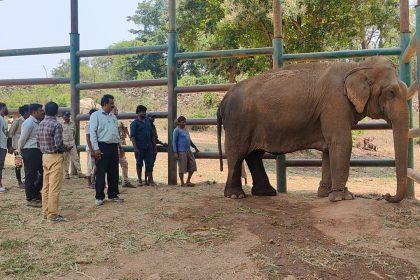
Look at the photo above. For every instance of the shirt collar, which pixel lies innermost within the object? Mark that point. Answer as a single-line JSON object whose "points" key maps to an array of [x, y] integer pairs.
{"points": [[50, 118], [34, 119]]}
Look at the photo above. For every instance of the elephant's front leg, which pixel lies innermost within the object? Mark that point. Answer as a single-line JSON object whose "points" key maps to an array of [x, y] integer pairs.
{"points": [[233, 187], [324, 188], [339, 155]]}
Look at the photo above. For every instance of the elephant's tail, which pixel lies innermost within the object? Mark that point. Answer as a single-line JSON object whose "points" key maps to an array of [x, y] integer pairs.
{"points": [[219, 136]]}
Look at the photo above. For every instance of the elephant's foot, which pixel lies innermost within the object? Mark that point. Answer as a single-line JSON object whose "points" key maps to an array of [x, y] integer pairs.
{"points": [[324, 189], [234, 193], [340, 194], [263, 191]]}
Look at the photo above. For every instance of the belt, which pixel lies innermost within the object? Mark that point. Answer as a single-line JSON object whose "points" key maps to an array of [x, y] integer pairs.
{"points": [[53, 153]]}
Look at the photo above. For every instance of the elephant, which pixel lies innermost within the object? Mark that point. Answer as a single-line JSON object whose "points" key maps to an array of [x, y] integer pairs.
{"points": [[312, 106]]}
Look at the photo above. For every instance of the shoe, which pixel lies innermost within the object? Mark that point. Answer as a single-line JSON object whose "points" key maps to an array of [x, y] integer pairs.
{"points": [[81, 175], [117, 199], [34, 203], [99, 202], [67, 176], [21, 186], [59, 218], [128, 185], [3, 190]]}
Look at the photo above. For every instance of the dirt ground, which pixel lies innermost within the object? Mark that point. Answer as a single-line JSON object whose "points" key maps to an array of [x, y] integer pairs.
{"points": [[169, 232]]}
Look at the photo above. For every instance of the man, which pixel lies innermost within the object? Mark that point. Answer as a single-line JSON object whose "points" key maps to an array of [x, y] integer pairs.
{"points": [[155, 137], [50, 139], [14, 134], [69, 132], [32, 156], [181, 145], [5, 144], [142, 139], [105, 138], [90, 165], [123, 131]]}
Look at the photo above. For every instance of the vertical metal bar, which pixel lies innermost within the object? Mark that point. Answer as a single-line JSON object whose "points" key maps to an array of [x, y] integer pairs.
{"points": [[172, 96], [405, 70], [418, 46], [277, 63], [75, 68]]}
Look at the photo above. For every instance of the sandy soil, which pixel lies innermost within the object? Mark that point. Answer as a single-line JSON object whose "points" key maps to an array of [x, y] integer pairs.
{"points": [[169, 232]]}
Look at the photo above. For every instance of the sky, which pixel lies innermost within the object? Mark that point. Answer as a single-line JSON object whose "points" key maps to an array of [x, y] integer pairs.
{"points": [[46, 23]]}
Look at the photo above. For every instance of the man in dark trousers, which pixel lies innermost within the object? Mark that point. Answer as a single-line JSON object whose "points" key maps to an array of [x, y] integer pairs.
{"points": [[142, 139], [105, 137], [32, 156]]}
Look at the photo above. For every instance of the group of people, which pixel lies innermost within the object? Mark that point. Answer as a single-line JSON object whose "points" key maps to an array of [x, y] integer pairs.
{"points": [[45, 146]]}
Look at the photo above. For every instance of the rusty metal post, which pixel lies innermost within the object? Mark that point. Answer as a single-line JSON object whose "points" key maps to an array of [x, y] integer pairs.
{"points": [[75, 71], [172, 95], [277, 63]]}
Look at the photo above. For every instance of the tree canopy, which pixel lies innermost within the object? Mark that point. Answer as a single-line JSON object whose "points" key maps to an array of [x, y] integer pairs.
{"points": [[307, 25]]}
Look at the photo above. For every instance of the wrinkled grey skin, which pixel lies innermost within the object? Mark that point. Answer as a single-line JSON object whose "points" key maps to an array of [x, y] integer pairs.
{"points": [[312, 106]]}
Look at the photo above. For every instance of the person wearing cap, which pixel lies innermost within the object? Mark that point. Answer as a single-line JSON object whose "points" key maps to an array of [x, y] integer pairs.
{"points": [[69, 133], [123, 130], [142, 139]]}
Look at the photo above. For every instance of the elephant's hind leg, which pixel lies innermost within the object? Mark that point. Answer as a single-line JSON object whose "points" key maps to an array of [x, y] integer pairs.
{"points": [[233, 187], [260, 183]]}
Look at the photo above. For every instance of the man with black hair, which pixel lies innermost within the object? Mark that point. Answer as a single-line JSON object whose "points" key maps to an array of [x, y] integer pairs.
{"points": [[5, 144], [14, 134], [50, 140], [32, 156], [142, 139], [104, 137]]}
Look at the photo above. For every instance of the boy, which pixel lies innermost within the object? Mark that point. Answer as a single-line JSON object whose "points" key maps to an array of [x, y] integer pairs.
{"points": [[181, 145]]}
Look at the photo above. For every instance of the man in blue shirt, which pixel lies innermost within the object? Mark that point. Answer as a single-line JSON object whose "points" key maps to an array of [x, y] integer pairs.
{"points": [[142, 139], [181, 145], [104, 138]]}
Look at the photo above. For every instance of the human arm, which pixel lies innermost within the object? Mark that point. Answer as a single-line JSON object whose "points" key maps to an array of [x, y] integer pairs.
{"points": [[89, 143], [24, 135], [194, 146], [133, 138], [58, 139]]}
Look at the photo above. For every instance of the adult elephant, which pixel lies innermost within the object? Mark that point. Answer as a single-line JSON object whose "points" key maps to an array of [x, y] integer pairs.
{"points": [[312, 106]]}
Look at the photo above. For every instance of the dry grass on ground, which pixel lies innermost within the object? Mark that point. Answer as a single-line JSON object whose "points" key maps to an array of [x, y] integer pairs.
{"points": [[195, 233]]}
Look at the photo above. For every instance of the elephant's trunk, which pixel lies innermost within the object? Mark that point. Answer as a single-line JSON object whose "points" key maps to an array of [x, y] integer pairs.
{"points": [[400, 133], [219, 137]]}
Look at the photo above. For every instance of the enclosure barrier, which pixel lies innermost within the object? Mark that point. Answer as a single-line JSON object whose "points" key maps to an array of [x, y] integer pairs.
{"points": [[405, 51]]}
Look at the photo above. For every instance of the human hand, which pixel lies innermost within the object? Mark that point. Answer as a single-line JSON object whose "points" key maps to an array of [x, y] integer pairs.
{"points": [[97, 154], [10, 150], [196, 150], [176, 155]]}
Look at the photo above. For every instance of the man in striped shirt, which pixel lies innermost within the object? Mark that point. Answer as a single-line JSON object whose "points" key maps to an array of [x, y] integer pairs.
{"points": [[50, 140]]}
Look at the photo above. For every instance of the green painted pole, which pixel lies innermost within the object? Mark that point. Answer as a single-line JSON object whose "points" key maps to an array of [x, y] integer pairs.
{"points": [[405, 76], [172, 96], [75, 70], [277, 63]]}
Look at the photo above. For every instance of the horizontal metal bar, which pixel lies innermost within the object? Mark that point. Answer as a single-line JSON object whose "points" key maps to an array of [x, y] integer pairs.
{"points": [[34, 81], [122, 51], [224, 53], [413, 175], [35, 51], [126, 148], [123, 84], [359, 126], [341, 54], [414, 133], [410, 51], [372, 125], [126, 116], [15, 111], [203, 88]]}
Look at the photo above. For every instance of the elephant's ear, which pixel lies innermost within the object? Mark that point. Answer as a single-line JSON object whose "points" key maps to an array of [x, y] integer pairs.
{"points": [[357, 88]]}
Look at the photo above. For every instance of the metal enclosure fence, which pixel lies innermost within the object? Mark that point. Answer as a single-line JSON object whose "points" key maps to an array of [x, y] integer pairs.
{"points": [[173, 55]]}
